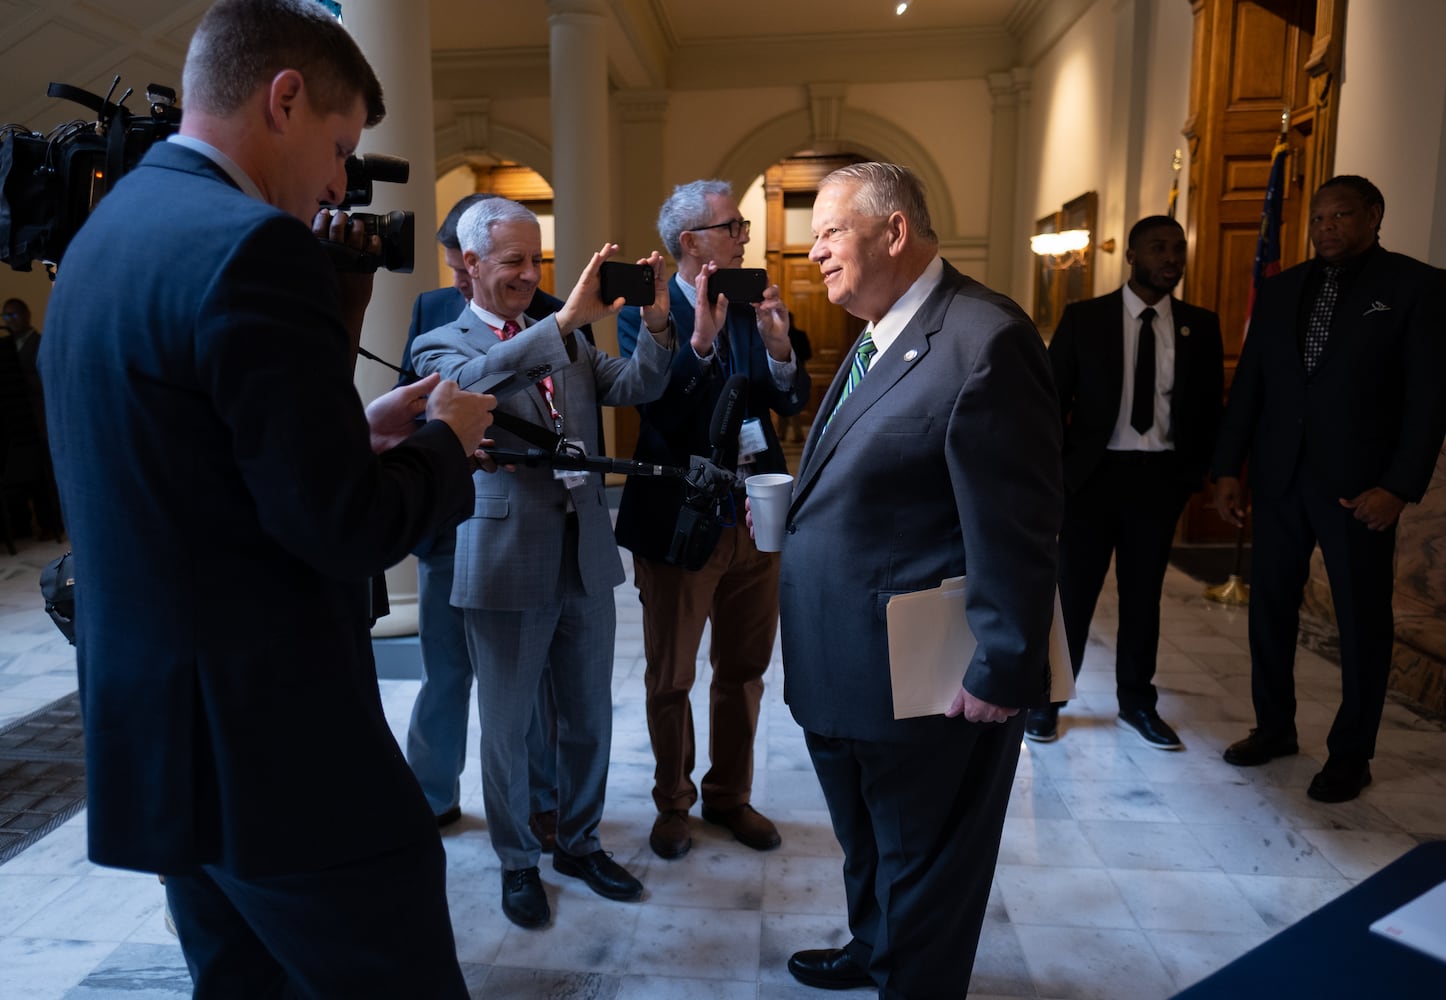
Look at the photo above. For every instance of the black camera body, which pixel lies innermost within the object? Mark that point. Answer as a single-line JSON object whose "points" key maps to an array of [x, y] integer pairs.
{"points": [[696, 532], [51, 182]]}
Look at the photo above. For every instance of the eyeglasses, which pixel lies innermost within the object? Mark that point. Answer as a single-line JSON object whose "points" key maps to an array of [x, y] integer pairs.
{"points": [[734, 227]]}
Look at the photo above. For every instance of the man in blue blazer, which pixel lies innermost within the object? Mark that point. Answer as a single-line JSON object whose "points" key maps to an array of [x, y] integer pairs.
{"points": [[737, 588], [229, 501], [1338, 404], [936, 453], [1140, 378], [536, 562]]}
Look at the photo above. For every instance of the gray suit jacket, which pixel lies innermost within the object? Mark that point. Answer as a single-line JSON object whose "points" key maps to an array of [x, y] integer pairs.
{"points": [[944, 460], [509, 552]]}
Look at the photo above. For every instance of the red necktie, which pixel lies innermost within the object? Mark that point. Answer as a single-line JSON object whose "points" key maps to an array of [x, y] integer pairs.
{"points": [[509, 330]]}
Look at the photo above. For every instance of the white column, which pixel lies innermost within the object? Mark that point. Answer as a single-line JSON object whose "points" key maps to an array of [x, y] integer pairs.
{"points": [[396, 39], [1003, 171], [581, 154]]}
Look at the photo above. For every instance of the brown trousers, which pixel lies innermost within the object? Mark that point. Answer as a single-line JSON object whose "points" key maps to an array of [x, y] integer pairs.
{"points": [[737, 589]]}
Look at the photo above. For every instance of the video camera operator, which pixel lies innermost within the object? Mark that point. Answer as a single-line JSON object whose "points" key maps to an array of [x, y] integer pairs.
{"points": [[737, 587], [229, 500]]}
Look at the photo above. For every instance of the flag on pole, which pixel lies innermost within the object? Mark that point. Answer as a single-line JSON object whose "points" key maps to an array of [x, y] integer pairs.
{"points": [[1175, 163], [1267, 244]]}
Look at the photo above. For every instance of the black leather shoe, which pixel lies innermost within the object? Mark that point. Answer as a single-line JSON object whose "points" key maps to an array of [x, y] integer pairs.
{"points": [[1259, 747], [828, 969], [1147, 724], [1042, 724], [523, 899], [748, 825], [1339, 781], [449, 816], [602, 874]]}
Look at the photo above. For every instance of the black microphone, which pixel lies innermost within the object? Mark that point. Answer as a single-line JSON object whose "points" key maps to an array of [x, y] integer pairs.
{"points": [[727, 415]]}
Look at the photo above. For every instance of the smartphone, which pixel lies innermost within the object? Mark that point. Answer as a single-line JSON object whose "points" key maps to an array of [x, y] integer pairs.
{"points": [[504, 384], [633, 283], [740, 284]]}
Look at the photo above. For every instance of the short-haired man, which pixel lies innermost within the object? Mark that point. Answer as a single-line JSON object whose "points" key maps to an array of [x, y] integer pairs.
{"points": [[437, 733], [1140, 379], [737, 588], [1338, 405], [536, 562], [936, 450], [226, 533], [30, 480]]}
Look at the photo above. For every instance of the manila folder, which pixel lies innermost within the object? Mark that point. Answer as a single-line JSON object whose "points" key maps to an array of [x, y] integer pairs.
{"points": [[930, 646]]}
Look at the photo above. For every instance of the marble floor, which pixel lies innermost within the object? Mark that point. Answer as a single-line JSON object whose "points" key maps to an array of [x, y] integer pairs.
{"points": [[1124, 873]]}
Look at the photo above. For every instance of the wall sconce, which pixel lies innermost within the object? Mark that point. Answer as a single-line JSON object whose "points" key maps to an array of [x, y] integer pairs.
{"points": [[1066, 249]]}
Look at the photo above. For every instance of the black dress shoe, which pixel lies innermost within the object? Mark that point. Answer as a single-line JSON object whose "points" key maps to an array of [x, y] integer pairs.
{"points": [[449, 816], [602, 874], [1042, 724], [523, 899], [1259, 747], [1148, 726], [828, 969], [1339, 781]]}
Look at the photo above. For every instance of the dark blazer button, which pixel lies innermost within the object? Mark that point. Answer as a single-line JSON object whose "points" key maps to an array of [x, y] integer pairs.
{"points": [[792, 528]]}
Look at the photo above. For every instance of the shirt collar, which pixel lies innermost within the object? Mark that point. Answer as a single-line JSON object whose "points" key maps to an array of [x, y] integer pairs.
{"points": [[888, 328], [238, 176], [493, 320], [1134, 305]]}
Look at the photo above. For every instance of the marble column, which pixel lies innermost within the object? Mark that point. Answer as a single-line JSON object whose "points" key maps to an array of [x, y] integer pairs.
{"points": [[396, 39], [1005, 89], [581, 150]]}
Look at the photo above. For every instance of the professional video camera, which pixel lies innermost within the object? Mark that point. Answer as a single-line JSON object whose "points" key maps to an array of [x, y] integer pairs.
{"points": [[50, 183]]}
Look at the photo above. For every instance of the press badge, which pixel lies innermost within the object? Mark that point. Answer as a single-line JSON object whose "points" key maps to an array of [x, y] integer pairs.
{"points": [[572, 478], [751, 440]]}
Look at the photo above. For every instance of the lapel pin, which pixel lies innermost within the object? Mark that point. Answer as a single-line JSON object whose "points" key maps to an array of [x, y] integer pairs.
{"points": [[1184, 331], [910, 354], [1377, 307]]}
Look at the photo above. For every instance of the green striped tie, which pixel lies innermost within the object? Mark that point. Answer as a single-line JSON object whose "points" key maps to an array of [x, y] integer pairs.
{"points": [[857, 371]]}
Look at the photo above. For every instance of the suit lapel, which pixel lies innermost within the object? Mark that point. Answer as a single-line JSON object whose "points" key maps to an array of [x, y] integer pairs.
{"points": [[886, 371], [1112, 353]]}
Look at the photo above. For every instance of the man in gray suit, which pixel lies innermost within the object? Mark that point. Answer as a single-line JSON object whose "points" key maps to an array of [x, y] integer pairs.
{"points": [[536, 561], [936, 453]]}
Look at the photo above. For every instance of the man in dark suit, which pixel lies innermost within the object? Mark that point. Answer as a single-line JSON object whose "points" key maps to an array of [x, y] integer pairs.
{"points": [[936, 451], [229, 502], [25, 465], [737, 588], [437, 733], [536, 562], [1339, 406], [1139, 375]]}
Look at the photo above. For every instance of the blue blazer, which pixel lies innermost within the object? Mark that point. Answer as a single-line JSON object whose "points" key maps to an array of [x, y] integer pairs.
{"points": [[944, 460], [227, 513], [676, 425], [1372, 413]]}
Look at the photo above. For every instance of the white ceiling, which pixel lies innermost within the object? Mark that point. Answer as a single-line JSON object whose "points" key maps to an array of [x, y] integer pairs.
{"points": [[88, 42]]}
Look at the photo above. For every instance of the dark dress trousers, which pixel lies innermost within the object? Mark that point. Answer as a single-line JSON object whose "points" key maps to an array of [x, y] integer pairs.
{"points": [[1126, 503], [944, 460], [1372, 413], [227, 513], [737, 590]]}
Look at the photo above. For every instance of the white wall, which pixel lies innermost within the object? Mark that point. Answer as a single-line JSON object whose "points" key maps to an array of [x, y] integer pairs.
{"points": [[1393, 116]]}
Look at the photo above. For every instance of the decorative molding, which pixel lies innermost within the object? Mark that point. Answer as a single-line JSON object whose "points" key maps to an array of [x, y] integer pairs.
{"points": [[642, 105], [825, 106], [504, 143], [472, 118], [859, 132]]}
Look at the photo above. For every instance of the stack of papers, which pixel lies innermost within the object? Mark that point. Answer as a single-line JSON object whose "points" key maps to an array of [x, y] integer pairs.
{"points": [[1421, 923]]}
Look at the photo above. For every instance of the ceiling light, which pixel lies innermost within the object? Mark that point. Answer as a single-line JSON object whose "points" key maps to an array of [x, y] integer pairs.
{"points": [[900, 7]]}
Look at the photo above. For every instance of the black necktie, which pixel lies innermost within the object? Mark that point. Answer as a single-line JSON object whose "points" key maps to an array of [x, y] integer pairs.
{"points": [[1142, 409], [1318, 325]]}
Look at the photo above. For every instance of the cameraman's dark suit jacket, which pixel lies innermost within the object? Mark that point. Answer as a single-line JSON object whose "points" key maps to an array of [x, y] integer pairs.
{"points": [[227, 513], [676, 425]]}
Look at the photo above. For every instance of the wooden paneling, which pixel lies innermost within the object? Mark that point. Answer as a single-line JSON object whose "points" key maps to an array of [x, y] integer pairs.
{"points": [[1253, 59]]}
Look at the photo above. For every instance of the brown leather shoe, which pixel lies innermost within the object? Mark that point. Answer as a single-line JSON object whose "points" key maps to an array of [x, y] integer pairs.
{"points": [[544, 827], [751, 827], [670, 837]]}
